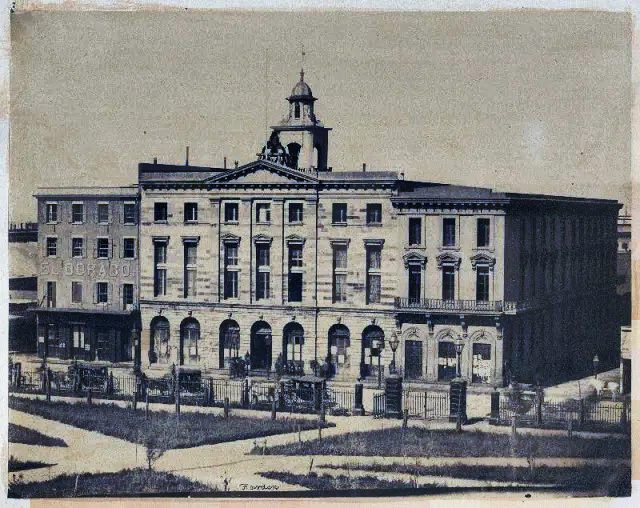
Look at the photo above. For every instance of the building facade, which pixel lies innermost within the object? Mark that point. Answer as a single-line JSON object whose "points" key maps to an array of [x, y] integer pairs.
{"points": [[88, 274], [283, 259]]}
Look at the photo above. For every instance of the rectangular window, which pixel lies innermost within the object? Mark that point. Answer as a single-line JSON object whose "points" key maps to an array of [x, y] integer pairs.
{"points": [[231, 212], [263, 262], [160, 269], [448, 283], [103, 213], [77, 213], [231, 254], [51, 294], [160, 213], [76, 292], [339, 273], [415, 283], [190, 264], [51, 212], [263, 213], [262, 285], [295, 256], [295, 287], [77, 247], [374, 255], [295, 213], [128, 248], [483, 233], [127, 296], [52, 247], [230, 284], [482, 284], [263, 255], [78, 338], [448, 232], [374, 213], [339, 213], [129, 213], [191, 212], [415, 231], [102, 248], [295, 273], [230, 270], [102, 292]]}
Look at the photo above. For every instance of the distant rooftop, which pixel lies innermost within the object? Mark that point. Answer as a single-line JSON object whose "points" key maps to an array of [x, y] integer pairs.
{"points": [[131, 190]]}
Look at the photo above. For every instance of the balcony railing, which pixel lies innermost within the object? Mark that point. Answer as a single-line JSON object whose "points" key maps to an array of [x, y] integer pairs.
{"points": [[434, 304]]}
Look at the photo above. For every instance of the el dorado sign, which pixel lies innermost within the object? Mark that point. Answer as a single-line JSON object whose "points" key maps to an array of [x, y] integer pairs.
{"points": [[89, 269]]}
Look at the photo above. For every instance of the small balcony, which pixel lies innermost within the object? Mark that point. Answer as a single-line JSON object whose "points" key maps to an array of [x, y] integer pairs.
{"points": [[455, 306]]}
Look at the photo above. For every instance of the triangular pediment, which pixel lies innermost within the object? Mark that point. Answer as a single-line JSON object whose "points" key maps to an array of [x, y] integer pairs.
{"points": [[263, 173]]}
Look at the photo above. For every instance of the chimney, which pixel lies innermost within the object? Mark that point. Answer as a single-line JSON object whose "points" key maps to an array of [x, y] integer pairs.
{"points": [[224, 164], [186, 162], [364, 167], [155, 161], [236, 163]]}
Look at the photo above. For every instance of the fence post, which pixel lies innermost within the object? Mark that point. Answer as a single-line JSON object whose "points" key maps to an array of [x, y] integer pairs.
{"points": [[273, 409], [623, 415], [514, 431], [134, 399], [495, 407], [570, 427], [539, 400], [212, 396], [146, 405], [358, 407], [425, 406], [47, 383], [226, 407], [581, 421], [110, 384], [405, 418], [322, 410], [89, 401]]}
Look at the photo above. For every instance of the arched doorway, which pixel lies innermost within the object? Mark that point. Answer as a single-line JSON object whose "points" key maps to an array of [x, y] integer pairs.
{"points": [[159, 340], [189, 338], [229, 345], [292, 344], [261, 345], [338, 354], [371, 352]]}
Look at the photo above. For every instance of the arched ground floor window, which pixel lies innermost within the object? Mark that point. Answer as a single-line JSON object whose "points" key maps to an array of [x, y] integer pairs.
{"points": [[189, 338], [159, 340], [229, 345], [338, 354]]}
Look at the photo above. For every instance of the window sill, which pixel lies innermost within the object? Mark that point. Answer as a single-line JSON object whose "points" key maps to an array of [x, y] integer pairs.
{"points": [[231, 222], [296, 223], [103, 223], [339, 224], [487, 248], [374, 224], [76, 223], [263, 223], [415, 247], [52, 223], [160, 222], [129, 224], [449, 247]]}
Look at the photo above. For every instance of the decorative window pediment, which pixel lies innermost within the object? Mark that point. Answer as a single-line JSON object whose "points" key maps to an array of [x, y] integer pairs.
{"points": [[449, 259], [295, 239], [374, 242], [190, 239], [340, 241], [230, 238], [414, 258], [262, 239], [160, 239], [482, 259]]}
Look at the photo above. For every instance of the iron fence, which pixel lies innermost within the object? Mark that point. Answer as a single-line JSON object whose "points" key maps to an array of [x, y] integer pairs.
{"points": [[582, 414], [427, 405], [379, 405]]}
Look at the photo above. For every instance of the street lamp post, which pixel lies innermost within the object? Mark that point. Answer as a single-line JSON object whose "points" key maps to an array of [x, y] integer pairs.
{"points": [[394, 342], [459, 345], [596, 362]]}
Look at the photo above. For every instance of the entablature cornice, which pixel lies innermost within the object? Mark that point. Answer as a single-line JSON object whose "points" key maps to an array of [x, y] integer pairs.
{"points": [[413, 257], [449, 259]]}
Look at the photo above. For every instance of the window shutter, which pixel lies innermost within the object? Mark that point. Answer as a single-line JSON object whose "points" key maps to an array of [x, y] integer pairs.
{"points": [[95, 292], [112, 245], [84, 246], [121, 214], [95, 249], [109, 293], [121, 296], [110, 213], [70, 247], [94, 213]]}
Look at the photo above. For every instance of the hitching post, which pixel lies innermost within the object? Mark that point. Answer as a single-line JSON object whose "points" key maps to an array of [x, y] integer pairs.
{"points": [[358, 407], [47, 382], [89, 396], [273, 409], [226, 407]]}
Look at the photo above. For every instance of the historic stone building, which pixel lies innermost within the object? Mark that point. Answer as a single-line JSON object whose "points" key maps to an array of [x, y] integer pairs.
{"points": [[284, 256], [88, 273]]}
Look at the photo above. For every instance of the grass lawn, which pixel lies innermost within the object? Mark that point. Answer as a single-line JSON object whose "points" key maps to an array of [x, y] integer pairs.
{"points": [[419, 442], [25, 435], [341, 482], [187, 430], [22, 465], [124, 483], [605, 480]]}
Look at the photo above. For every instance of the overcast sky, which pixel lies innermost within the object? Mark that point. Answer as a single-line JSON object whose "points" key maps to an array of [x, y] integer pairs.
{"points": [[520, 101]]}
